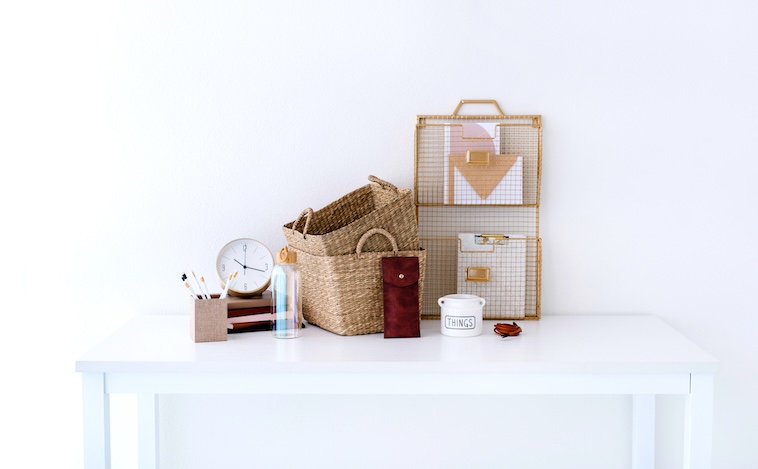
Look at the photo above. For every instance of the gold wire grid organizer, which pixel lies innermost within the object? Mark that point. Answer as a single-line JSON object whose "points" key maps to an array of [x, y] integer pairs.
{"points": [[477, 194]]}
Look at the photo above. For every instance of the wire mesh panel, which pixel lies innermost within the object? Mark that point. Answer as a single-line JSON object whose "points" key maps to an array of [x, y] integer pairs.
{"points": [[477, 189]]}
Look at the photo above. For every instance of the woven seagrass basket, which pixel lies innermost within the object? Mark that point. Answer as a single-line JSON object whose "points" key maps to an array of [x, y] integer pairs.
{"points": [[335, 229], [343, 294]]}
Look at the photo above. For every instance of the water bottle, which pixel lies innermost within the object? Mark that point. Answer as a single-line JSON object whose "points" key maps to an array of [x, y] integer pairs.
{"points": [[285, 291]]}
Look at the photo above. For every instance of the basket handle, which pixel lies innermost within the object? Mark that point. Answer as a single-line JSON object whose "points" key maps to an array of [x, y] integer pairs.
{"points": [[308, 213], [478, 101], [372, 232], [383, 183]]}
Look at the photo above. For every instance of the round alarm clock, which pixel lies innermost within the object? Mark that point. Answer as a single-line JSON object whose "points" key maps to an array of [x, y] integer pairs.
{"points": [[252, 261]]}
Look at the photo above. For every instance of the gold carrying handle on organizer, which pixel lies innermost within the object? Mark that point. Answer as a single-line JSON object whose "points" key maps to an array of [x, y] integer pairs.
{"points": [[478, 101]]}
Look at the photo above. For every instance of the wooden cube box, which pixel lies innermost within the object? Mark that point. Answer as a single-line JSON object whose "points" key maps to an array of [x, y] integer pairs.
{"points": [[208, 320]]}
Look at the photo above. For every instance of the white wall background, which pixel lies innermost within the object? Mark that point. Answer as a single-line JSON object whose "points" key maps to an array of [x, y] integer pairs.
{"points": [[138, 137]]}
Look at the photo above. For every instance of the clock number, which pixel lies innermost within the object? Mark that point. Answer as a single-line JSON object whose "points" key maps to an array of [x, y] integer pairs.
{"points": [[223, 267]]}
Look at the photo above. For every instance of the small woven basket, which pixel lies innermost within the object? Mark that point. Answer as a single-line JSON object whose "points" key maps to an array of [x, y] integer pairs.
{"points": [[335, 229], [343, 294]]}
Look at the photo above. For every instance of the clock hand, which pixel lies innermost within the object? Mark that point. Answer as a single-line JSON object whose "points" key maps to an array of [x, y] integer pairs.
{"points": [[244, 267]]}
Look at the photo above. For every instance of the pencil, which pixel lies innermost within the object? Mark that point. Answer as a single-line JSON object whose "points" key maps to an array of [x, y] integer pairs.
{"points": [[191, 292], [197, 284], [205, 288], [226, 287]]}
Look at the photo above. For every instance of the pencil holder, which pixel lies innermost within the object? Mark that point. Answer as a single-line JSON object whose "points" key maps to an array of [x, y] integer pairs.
{"points": [[208, 320]]}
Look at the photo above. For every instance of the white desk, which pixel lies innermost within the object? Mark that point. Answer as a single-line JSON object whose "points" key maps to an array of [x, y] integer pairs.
{"points": [[639, 355]]}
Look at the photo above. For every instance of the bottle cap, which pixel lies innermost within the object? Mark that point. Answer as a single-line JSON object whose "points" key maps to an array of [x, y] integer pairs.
{"points": [[286, 256]]}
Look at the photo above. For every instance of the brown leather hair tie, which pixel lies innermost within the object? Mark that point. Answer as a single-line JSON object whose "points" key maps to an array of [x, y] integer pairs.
{"points": [[507, 330]]}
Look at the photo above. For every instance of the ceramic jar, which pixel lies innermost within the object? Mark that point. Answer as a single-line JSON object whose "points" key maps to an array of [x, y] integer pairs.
{"points": [[461, 315]]}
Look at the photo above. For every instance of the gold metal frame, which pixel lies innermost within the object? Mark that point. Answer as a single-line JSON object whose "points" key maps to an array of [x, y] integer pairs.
{"points": [[440, 218]]}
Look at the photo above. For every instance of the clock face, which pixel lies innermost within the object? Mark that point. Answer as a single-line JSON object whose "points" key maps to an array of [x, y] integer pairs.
{"points": [[252, 261]]}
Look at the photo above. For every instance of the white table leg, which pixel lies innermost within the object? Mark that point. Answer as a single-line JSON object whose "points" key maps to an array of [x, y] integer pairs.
{"points": [[643, 431], [97, 421], [148, 431], [698, 416]]}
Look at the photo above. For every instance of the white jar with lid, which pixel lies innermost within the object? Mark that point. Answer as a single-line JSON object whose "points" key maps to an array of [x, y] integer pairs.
{"points": [[461, 315]]}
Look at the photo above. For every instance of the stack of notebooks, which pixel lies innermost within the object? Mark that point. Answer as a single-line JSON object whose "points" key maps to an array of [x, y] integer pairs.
{"points": [[250, 314]]}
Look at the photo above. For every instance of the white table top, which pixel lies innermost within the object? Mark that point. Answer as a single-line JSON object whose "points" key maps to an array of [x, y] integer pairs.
{"points": [[555, 343]]}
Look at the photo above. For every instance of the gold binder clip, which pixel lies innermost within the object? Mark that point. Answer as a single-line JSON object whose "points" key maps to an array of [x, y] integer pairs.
{"points": [[491, 239]]}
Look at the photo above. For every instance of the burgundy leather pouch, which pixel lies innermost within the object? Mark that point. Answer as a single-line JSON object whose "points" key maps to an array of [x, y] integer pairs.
{"points": [[402, 316]]}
